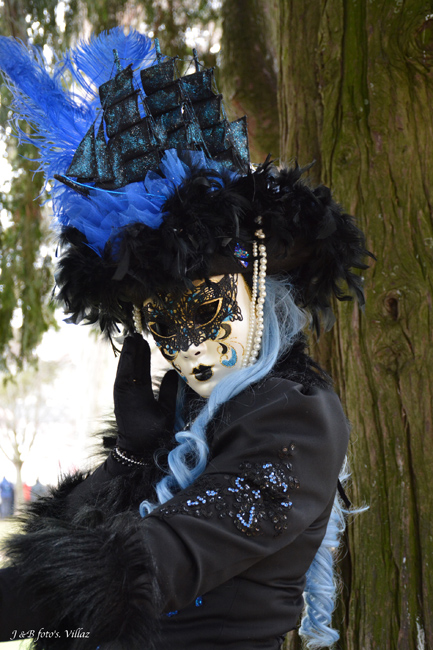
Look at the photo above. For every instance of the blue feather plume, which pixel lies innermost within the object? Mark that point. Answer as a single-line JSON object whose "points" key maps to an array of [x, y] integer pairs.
{"points": [[94, 59], [59, 117]]}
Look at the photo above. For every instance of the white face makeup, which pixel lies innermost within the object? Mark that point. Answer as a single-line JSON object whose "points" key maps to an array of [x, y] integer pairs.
{"points": [[204, 333]]}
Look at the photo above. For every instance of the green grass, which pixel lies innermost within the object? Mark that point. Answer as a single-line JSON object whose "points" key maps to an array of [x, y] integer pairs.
{"points": [[7, 526]]}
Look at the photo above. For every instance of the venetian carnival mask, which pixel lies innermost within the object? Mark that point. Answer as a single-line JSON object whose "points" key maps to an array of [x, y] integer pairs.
{"points": [[203, 334]]}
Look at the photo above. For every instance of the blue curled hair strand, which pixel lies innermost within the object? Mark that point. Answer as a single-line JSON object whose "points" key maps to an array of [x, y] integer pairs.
{"points": [[322, 584]]}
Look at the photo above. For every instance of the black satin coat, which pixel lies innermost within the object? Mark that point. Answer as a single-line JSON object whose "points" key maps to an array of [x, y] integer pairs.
{"points": [[222, 564]]}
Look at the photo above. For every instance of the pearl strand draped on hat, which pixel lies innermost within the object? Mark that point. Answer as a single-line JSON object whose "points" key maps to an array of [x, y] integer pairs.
{"points": [[254, 340]]}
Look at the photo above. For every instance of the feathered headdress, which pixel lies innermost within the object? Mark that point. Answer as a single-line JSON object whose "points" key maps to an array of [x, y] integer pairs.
{"points": [[152, 186]]}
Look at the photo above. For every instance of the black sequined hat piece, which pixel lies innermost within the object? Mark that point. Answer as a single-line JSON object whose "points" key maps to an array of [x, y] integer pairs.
{"points": [[182, 112]]}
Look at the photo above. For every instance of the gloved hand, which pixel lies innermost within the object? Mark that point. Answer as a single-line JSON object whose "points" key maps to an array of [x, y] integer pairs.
{"points": [[141, 419]]}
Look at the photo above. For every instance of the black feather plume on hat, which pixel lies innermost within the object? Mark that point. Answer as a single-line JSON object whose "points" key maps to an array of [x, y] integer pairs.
{"points": [[308, 236]]}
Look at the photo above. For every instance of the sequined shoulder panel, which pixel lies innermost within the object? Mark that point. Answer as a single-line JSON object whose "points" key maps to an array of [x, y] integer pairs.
{"points": [[259, 492]]}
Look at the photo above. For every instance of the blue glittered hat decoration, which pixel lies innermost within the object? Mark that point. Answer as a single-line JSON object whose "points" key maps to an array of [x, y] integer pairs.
{"points": [[138, 123]]}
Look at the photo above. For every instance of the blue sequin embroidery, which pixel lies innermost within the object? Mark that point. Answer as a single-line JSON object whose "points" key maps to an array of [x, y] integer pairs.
{"points": [[198, 603], [260, 493]]}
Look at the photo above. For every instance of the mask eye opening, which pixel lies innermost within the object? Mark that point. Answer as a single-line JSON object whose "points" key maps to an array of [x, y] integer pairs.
{"points": [[207, 312], [160, 329]]}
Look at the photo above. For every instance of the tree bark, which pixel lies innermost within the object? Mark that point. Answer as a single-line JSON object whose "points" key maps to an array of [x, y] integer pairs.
{"points": [[14, 19], [248, 71], [355, 93]]}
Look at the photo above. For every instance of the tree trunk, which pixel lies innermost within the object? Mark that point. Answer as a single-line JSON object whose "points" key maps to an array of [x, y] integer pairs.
{"points": [[356, 94], [19, 490], [14, 18], [248, 71]]}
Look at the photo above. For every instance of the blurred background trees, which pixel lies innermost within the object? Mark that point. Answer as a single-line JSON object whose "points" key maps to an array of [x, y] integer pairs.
{"points": [[24, 404], [350, 85]]}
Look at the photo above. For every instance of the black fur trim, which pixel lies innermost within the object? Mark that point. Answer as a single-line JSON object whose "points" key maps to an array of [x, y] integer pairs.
{"points": [[308, 236], [115, 495], [51, 506], [93, 572], [298, 366]]}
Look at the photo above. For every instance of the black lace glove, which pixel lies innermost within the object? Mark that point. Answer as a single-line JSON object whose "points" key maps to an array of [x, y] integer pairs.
{"points": [[143, 422]]}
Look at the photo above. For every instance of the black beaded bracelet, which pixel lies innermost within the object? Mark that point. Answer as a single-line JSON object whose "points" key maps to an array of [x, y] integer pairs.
{"points": [[126, 458]]}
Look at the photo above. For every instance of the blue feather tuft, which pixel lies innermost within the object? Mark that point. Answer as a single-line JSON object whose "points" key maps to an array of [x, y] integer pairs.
{"points": [[60, 118], [103, 214], [94, 59], [57, 117]]}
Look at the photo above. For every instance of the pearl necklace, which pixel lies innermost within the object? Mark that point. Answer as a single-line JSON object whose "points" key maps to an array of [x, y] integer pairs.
{"points": [[255, 331], [136, 316]]}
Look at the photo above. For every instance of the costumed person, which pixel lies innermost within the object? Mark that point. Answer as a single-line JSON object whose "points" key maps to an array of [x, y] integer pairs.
{"points": [[7, 494], [214, 520]]}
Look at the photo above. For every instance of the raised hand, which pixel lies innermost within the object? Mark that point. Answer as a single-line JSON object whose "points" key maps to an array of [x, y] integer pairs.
{"points": [[141, 419]]}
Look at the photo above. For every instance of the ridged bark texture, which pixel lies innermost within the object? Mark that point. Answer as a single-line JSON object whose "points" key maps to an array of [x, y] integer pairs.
{"points": [[248, 72], [356, 94]]}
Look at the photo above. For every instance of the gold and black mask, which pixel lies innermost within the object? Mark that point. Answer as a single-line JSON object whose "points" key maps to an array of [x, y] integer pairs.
{"points": [[199, 315]]}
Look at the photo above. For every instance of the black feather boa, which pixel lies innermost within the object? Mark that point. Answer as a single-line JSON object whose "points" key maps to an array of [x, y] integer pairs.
{"points": [[308, 236], [90, 569]]}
